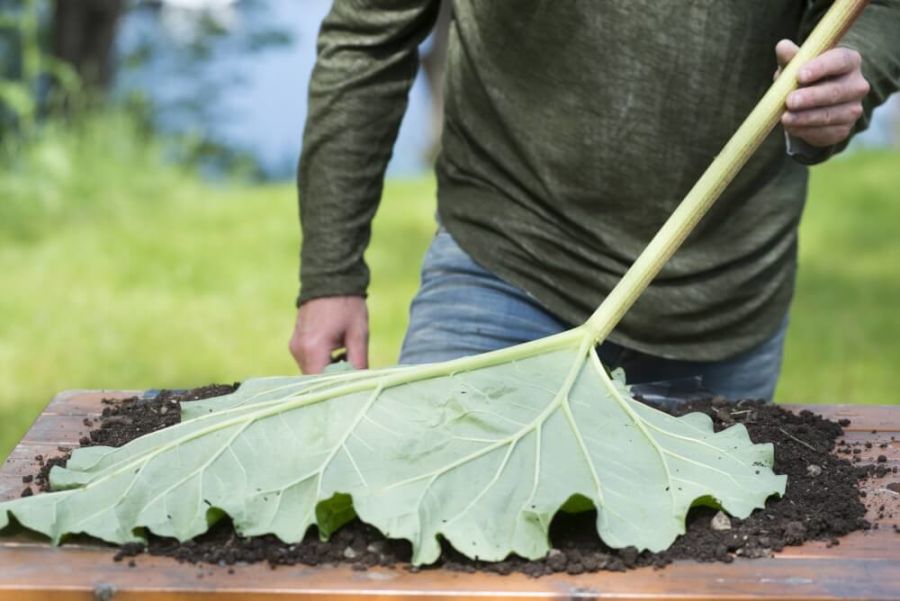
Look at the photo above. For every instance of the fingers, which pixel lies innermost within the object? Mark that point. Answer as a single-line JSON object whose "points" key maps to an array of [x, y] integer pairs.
{"points": [[841, 114], [324, 325], [828, 103], [833, 63], [824, 113], [311, 351], [785, 51], [850, 88], [822, 137]]}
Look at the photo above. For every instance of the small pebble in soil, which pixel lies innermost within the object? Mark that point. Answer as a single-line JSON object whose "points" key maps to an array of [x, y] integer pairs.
{"points": [[720, 521]]}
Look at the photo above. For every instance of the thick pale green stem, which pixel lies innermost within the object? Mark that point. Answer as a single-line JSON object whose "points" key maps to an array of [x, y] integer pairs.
{"points": [[720, 173]]}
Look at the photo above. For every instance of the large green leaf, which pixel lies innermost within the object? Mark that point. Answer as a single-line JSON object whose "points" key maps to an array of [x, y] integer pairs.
{"points": [[482, 451]]}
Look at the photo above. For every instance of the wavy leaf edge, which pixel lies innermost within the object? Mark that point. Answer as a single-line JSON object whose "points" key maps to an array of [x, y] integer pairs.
{"points": [[492, 494]]}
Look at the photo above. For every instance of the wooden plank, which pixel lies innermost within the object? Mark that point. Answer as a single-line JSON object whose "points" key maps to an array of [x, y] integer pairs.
{"points": [[57, 430], [85, 402], [862, 417], [81, 571], [883, 543], [21, 462], [866, 565], [61, 424], [11, 486], [26, 451]]}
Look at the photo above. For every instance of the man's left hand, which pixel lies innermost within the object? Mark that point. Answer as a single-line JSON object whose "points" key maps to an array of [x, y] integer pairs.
{"points": [[823, 111]]}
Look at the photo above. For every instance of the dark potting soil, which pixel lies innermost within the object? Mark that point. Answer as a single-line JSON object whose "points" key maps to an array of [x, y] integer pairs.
{"points": [[822, 502]]}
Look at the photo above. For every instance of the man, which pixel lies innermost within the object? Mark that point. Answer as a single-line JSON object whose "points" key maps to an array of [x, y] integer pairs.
{"points": [[572, 130]]}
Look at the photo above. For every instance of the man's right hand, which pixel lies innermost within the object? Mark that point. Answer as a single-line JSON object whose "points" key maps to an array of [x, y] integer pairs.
{"points": [[327, 324]]}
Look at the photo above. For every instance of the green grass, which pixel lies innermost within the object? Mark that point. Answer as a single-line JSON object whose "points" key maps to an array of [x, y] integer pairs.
{"points": [[139, 276], [844, 338], [119, 272], [192, 289]]}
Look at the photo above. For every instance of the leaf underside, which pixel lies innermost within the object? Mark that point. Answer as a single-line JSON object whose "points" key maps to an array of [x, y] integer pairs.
{"points": [[482, 453]]}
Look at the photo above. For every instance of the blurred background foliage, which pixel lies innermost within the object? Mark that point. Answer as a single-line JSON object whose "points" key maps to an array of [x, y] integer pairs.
{"points": [[148, 230]]}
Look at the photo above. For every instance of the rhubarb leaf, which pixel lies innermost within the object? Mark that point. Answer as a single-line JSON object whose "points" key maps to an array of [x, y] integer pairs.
{"points": [[481, 451]]}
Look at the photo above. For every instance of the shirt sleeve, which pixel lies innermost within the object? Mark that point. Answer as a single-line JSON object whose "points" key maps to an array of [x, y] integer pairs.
{"points": [[875, 36], [367, 60], [804, 152]]}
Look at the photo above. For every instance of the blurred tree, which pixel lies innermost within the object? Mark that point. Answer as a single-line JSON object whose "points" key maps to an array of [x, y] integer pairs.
{"points": [[21, 64], [166, 61], [185, 62], [33, 82], [82, 35]]}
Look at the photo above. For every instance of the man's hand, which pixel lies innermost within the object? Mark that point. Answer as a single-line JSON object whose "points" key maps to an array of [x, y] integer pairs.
{"points": [[327, 324], [823, 111]]}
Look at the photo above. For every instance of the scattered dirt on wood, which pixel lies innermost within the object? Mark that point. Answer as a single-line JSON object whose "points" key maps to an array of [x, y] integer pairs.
{"points": [[123, 420], [822, 502]]}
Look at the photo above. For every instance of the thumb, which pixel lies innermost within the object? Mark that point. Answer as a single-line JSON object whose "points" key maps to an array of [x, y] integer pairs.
{"points": [[785, 50]]}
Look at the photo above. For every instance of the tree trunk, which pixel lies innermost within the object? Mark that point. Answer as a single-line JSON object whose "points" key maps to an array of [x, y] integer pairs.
{"points": [[82, 35]]}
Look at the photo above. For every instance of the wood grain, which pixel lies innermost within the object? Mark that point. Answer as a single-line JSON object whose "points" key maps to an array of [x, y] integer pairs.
{"points": [[865, 565], [863, 418], [81, 571]]}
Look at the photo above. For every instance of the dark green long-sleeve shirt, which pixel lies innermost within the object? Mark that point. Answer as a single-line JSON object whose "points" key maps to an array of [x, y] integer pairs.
{"points": [[572, 130]]}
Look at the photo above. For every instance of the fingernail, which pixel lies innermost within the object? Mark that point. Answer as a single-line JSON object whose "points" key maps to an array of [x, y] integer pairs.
{"points": [[788, 118], [804, 75]]}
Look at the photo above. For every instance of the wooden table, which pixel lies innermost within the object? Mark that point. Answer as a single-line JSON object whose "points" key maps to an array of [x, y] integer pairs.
{"points": [[866, 565]]}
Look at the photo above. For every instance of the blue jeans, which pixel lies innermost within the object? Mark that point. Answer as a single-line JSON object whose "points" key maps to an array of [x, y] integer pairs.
{"points": [[462, 309]]}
